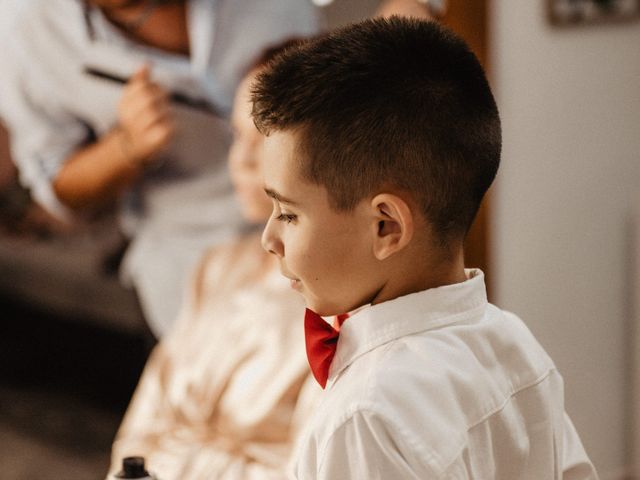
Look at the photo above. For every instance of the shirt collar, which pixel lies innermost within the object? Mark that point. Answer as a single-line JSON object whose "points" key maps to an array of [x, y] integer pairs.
{"points": [[417, 312]]}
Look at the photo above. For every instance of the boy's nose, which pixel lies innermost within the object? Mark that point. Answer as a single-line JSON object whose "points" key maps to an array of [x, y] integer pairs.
{"points": [[270, 240]]}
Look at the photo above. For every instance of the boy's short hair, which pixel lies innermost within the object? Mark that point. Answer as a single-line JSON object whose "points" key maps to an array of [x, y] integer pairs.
{"points": [[388, 104], [268, 54]]}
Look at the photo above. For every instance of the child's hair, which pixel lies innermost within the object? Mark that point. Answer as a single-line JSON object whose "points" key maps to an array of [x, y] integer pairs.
{"points": [[388, 104]]}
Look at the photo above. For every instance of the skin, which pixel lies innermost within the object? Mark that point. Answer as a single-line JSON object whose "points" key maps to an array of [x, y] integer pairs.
{"points": [[409, 8], [165, 28], [339, 261], [95, 174], [245, 162], [114, 4]]}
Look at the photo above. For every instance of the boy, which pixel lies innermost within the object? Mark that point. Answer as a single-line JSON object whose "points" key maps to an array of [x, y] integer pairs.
{"points": [[382, 140]]}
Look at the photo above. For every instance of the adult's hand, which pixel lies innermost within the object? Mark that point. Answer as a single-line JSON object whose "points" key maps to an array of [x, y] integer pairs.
{"points": [[98, 172], [144, 118]]}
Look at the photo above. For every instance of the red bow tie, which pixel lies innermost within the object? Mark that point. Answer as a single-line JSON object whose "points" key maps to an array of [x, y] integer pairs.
{"points": [[321, 340]]}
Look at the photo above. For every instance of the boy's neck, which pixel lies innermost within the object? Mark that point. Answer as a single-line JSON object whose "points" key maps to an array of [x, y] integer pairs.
{"points": [[418, 273]]}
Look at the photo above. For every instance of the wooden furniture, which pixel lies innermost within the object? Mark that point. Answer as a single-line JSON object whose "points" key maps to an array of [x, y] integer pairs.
{"points": [[468, 18]]}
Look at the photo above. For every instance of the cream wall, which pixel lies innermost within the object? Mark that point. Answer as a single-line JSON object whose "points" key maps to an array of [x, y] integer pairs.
{"points": [[570, 105]]}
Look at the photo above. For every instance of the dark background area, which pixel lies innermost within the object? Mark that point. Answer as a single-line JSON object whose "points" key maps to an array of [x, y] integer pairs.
{"points": [[64, 385]]}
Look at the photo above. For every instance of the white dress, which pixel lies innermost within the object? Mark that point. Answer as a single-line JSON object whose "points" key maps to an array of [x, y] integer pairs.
{"points": [[225, 391]]}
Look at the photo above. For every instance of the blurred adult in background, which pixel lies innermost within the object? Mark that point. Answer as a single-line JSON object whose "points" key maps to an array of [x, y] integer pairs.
{"points": [[126, 101], [218, 395]]}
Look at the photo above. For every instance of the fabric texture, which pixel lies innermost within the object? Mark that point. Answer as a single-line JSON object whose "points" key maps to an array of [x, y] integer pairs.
{"points": [[225, 393], [441, 384]]}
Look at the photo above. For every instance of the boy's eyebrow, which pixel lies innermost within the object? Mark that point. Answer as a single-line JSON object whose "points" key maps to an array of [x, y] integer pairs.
{"points": [[276, 196]]}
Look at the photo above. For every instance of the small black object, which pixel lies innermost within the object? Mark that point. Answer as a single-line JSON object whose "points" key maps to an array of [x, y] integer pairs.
{"points": [[133, 467], [176, 97]]}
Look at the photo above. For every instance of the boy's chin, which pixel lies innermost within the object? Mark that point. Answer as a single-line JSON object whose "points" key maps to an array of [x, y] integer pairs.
{"points": [[323, 310]]}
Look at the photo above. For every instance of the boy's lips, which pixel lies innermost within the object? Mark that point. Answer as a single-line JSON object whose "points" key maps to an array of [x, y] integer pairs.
{"points": [[295, 282]]}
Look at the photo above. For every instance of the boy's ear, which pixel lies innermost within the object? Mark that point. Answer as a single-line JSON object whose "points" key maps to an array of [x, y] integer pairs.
{"points": [[395, 225]]}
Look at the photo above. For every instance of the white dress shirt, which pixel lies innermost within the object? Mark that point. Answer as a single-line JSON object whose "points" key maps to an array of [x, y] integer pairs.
{"points": [[441, 384], [51, 106]]}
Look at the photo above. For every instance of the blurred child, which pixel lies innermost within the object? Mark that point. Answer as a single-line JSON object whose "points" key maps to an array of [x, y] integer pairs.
{"points": [[383, 138], [217, 397]]}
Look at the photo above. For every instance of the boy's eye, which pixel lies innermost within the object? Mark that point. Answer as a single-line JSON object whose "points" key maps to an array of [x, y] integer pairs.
{"points": [[284, 217]]}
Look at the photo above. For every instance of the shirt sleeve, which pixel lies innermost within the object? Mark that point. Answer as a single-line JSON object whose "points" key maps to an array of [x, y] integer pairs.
{"points": [[42, 132], [369, 446], [576, 463]]}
